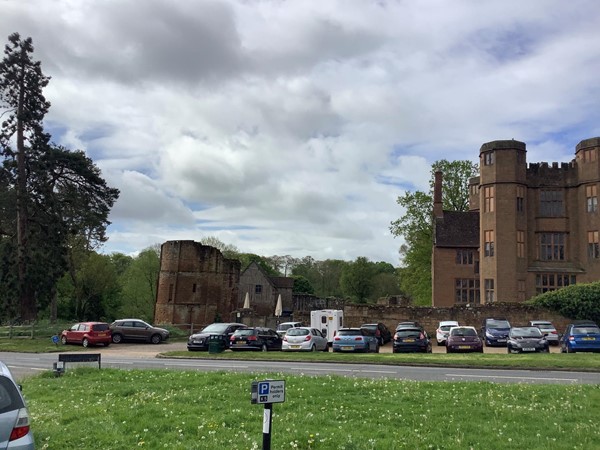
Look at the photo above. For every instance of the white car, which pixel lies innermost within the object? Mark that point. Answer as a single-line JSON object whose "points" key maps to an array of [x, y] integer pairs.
{"points": [[547, 329], [443, 329], [304, 339]]}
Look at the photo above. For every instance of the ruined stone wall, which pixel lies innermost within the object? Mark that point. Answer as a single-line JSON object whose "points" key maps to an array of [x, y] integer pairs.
{"points": [[196, 284]]}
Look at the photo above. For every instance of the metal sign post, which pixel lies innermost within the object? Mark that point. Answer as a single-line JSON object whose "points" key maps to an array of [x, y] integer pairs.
{"points": [[267, 392]]}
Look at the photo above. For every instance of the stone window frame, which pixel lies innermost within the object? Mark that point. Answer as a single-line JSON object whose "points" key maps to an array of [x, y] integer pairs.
{"points": [[488, 243], [545, 282], [467, 290], [521, 290], [488, 158], [489, 290], [552, 203], [520, 244], [552, 246], [591, 198], [489, 203], [465, 256], [520, 199], [258, 288], [593, 244]]}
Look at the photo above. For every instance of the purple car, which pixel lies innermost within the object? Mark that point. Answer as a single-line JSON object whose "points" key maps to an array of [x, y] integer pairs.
{"points": [[463, 339]]}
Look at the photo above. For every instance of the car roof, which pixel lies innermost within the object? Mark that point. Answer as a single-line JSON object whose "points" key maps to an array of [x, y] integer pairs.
{"points": [[448, 322], [464, 326], [540, 321]]}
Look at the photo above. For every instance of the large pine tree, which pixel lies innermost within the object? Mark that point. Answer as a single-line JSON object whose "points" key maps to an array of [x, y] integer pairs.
{"points": [[48, 194]]}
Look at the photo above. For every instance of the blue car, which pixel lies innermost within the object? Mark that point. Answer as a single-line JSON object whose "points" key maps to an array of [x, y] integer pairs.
{"points": [[580, 337], [355, 340], [495, 332]]}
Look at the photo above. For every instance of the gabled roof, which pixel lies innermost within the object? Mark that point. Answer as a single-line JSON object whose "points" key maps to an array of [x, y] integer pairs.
{"points": [[457, 229], [276, 282]]}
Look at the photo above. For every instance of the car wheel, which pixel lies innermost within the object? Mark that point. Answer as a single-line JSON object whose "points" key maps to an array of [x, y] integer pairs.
{"points": [[85, 342], [570, 350], [429, 349], [377, 349], [264, 348], [326, 348], [117, 338], [156, 339], [546, 350], [63, 340], [313, 348]]}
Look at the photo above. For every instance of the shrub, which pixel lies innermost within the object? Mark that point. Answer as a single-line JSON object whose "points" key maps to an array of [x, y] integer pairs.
{"points": [[577, 302]]}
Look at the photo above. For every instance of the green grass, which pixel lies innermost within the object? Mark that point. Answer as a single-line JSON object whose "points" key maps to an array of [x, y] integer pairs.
{"points": [[577, 361], [119, 409]]}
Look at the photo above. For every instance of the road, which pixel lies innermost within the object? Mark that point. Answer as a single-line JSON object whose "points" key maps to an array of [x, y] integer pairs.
{"points": [[139, 356]]}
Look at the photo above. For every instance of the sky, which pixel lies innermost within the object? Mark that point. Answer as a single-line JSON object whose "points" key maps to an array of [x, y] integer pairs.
{"points": [[292, 127]]}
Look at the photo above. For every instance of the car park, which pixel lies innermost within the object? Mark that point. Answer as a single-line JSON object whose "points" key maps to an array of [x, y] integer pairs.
{"points": [[222, 331], [494, 332], [15, 428], [443, 329], [581, 336], [304, 339], [355, 340], [547, 329], [136, 330], [87, 333], [463, 339], [255, 338], [382, 333], [284, 326], [411, 339], [526, 340]]}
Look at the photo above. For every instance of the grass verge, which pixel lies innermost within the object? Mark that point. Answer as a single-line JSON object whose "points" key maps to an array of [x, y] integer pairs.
{"points": [[118, 409], [543, 361]]}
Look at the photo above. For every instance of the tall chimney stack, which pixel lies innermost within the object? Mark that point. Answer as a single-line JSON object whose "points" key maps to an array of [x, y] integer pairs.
{"points": [[437, 195]]}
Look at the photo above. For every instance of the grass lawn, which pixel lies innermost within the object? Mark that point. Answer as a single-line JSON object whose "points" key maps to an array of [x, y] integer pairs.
{"points": [[122, 409], [549, 361]]}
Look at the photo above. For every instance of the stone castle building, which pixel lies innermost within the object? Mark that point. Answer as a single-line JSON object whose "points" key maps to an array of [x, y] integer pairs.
{"points": [[529, 229], [196, 284], [263, 291]]}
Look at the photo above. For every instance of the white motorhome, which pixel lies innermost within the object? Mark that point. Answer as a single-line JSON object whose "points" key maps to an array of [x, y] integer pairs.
{"points": [[329, 321]]}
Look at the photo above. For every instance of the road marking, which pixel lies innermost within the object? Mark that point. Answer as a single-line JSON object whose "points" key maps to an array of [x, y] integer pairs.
{"points": [[29, 368], [510, 378]]}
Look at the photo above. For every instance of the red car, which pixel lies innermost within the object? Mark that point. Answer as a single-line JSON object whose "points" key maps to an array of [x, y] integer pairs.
{"points": [[87, 333]]}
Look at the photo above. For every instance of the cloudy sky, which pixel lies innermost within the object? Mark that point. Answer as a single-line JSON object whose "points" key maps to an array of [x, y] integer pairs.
{"points": [[291, 127]]}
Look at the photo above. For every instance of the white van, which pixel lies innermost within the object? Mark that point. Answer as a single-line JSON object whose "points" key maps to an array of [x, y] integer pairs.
{"points": [[328, 321]]}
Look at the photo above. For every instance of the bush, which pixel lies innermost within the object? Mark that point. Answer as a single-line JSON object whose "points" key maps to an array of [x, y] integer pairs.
{"points": [[577, 302]]}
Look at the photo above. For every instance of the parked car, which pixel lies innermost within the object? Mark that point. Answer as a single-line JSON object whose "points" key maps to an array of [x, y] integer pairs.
{"points": [[494, 332], [355, 340], [87, 333], [255, 338], [304, 339], [527, 340], [382, 333], [443, 329], [15, 431], [580, 337], [411, 339], [547, 329], [283, 327], [137, 330], [409, 323], [199, 341], [463, 339]]}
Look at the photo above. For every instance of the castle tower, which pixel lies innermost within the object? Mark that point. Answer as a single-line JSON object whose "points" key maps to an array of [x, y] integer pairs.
{"points": [[503, 219]]}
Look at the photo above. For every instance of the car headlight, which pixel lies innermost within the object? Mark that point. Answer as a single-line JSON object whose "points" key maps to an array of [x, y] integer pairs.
{"points": [[488, 334]]}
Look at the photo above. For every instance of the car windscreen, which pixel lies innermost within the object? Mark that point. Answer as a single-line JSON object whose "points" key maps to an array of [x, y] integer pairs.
{"points": [[463, 332], [9, 396], [350, 333], [545, 326], [586, 330], [217, 328], [532, 332], [298, 332], [403, 333], [497, 324]]}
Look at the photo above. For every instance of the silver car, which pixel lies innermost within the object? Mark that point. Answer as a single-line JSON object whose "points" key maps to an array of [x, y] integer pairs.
{"points": [[14, 417], [304, 339], [547, 329]]}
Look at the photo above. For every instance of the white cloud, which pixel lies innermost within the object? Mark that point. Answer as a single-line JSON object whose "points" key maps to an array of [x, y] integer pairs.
{"points": [[292, 127]]}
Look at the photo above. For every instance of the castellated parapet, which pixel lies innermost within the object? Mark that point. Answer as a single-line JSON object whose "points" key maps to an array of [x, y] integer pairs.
{"points": [[196, 284]]}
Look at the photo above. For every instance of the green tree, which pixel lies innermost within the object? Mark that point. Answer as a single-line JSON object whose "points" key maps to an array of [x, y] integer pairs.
{"points": [[324, 276], [302, 285], [49, 196], [416, 225], [357, 279], [138, 285], [229, 251], [577, 302]]}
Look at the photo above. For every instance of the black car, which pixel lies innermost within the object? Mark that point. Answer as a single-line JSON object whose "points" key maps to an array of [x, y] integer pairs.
{"points": [[382, 333], [411, 339], [255, 338], [527, 340], [199, 341]]}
